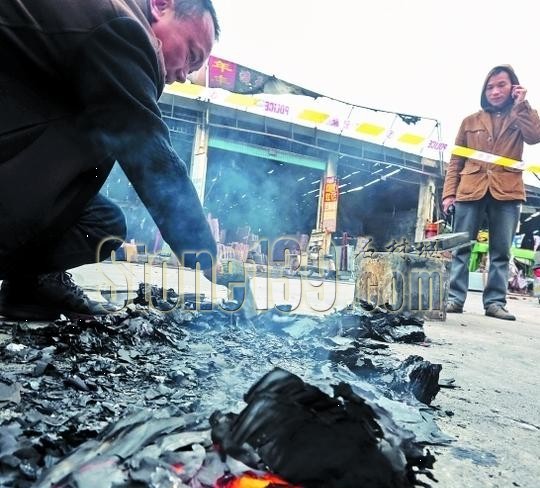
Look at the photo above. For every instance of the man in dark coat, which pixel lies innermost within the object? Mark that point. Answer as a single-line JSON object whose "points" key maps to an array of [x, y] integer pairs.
{"points": [[79, 86]]}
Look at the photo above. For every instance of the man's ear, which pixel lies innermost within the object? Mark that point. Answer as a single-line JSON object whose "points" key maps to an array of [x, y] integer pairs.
{"points": [[159, 7]]}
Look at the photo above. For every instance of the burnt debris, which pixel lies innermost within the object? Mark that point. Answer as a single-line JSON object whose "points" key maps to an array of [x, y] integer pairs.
{"points": [[316, 440], [65, 384]]}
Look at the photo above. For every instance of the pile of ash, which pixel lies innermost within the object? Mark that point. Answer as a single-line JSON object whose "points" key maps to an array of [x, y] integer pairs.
{"points": [[66, 384]]}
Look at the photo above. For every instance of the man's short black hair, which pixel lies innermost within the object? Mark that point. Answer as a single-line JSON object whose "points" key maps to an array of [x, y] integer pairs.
{"points": [[191, 8]]}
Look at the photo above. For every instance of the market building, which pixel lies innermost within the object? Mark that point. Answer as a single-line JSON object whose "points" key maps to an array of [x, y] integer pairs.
{"points": [[274, 167]]}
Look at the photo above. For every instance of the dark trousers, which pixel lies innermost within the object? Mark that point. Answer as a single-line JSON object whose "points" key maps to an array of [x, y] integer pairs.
{"points": [[503, 217], [100, 229]]}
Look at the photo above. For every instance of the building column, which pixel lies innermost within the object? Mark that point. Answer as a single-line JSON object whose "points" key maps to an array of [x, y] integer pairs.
{"points": [[426, 207], [199, 158]]}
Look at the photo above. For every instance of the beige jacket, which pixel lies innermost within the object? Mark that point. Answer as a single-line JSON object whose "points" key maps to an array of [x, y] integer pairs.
{"points": [[470, 179]]}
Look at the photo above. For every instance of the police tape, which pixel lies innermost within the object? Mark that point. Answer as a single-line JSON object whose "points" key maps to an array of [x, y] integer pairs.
{"points": [[341, 119], [485, 157]]}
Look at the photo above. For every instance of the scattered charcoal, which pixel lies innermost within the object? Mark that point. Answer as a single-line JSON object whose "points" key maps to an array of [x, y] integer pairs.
{"points": [[315, 440], [158, 297], [419, 376], [139, 327], [193, 362], [130, 445], [389, 327], [371, 323], [43, 367], [167, 300], [76, 382], [366, 305], [294, 429]]}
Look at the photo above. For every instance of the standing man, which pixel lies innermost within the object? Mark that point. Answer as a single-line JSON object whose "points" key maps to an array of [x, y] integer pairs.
{"points": [[79, 86], [479, 189]]}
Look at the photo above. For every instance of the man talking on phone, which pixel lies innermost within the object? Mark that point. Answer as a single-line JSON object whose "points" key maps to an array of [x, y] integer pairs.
{"points": [[480, 190]]}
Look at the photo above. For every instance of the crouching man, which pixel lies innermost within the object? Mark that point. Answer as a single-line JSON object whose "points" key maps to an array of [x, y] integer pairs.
{"points": [[80, 93]]}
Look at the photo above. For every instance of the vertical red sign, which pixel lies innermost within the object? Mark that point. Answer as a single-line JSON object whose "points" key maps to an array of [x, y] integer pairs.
{"points": [[330, 204]]}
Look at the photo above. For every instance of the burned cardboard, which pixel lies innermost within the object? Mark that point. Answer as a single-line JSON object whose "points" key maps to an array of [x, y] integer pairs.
{"points": [[382, 324], [366, 322]]}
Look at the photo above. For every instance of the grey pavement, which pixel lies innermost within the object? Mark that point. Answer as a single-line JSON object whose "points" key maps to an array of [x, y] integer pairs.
{"points": [[494, 410]]}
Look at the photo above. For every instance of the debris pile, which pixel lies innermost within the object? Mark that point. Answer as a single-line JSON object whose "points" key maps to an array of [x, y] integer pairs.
{"points": [[64, 384]]}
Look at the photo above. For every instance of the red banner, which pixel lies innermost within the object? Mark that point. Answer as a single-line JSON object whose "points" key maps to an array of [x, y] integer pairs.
{"points": [[237, 78]]}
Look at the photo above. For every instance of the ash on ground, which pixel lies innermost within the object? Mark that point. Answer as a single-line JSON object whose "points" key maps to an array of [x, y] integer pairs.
{"points": [[65, 384]]}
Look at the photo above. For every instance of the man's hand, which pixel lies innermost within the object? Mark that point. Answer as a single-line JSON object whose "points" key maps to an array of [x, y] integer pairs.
{"points": [[518, 93], [446, 203]]}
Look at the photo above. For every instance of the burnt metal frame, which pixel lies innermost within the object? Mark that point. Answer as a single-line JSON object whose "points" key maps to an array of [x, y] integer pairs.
{"points": [[190, 111]]}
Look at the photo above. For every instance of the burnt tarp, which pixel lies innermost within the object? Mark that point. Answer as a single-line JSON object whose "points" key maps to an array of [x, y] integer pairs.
{"points": [[64, 383], [317, 440]]}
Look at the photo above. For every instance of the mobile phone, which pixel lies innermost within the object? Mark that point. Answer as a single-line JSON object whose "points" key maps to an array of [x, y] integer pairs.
{"points": [[513, 91]]}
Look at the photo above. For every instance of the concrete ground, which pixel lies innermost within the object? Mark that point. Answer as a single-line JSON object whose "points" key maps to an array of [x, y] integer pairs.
{"points": [[493, 411]]}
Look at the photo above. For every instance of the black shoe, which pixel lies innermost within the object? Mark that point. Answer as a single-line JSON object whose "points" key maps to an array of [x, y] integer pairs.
{"points": [[45, 297]]}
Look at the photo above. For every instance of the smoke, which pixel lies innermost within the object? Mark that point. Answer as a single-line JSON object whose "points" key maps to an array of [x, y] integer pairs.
{"points": [[276, 199], [140, 225], [384, 211], [262, 194]]}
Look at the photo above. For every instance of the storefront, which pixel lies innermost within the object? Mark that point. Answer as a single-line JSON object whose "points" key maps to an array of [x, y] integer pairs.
{"points": [[263, 178]]}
